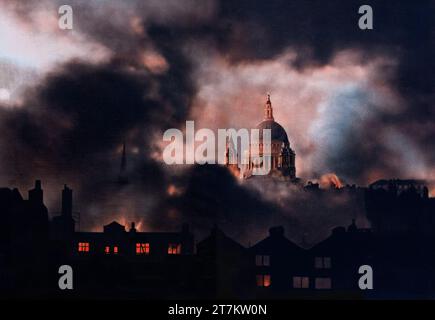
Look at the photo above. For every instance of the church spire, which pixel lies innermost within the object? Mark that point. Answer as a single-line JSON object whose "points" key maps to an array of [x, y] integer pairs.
{"points": [[122, 177], [268, 110]]}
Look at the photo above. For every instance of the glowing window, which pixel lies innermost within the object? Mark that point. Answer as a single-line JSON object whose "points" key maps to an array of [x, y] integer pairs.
{"points": [[301, 282], [174, 248], [83, 247], [143, 248], [323, 283], [263, 280], [262, 260], [108, 250]]}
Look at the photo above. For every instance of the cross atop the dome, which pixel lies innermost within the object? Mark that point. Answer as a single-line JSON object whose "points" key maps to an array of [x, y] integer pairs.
{"points": [[268, 111]]}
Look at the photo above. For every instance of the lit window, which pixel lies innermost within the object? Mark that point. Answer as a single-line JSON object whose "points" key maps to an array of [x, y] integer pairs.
{"points": [[323, 283], [83, 246], [263, 280], [142, 248], [174, 248], [262, 260], [114, 250], [301, 282], [322, 262]]}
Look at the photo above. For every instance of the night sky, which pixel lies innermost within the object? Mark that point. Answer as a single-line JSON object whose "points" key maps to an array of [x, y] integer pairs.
{"points": [[357, 104]]}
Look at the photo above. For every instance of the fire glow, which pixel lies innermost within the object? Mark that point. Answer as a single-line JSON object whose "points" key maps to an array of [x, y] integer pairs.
{"points": [[330, 180], [123, 220]]}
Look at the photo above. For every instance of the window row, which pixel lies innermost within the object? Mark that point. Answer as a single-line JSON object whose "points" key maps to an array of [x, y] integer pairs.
{"points": [[322, 262], [319, 262], [141, 248], [299, 282]]}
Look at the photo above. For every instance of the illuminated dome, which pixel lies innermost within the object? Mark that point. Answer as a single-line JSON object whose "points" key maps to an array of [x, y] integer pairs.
{"points": [[281, 156], [277, 131]]}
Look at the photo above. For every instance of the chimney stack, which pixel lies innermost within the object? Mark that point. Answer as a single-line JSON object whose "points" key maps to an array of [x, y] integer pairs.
{"points": [[133, 227], [66, 201], [36, 194]]}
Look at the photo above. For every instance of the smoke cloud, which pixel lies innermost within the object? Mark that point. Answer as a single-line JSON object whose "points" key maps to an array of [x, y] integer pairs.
{"points": [[355, 103]]}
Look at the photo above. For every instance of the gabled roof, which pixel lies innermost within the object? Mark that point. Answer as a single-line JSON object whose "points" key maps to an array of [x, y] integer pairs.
{"points": [[114, 227], [218, 241], [345, 241], [276, 242]]}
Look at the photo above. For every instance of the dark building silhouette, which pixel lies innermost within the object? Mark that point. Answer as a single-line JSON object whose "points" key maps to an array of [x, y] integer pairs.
{"points": [[63, 226], [400, 208], [120, 263], [116, 240], [402, 217], [334, 262], [24, 248], [278, 265], [223, 266], [398, 186]]}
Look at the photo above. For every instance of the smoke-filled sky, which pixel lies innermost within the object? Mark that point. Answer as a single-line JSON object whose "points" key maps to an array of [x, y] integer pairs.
{"points": [[359, 104]]}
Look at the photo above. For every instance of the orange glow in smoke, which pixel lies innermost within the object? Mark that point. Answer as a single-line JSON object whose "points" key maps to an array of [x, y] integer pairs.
{"points": [[330, 180], [173, 190], [234, 170], [155, 62], [123, 220], [127, 222], [136, 25], [374, 175]]}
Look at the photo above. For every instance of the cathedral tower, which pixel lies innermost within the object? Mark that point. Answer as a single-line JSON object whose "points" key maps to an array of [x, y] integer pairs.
{"points": [[282, 156]]}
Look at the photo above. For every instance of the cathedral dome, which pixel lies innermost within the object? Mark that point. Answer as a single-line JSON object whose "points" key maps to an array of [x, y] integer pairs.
{"points": [[277, 131], [280, 157]]}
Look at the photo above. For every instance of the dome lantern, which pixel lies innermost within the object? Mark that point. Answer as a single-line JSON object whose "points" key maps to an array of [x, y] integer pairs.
{"points": [[268, 110]]}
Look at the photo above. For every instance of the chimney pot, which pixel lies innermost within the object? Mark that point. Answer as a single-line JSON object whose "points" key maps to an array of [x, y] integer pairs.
{"points": [[133, 227]]}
